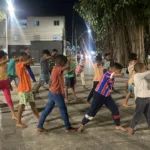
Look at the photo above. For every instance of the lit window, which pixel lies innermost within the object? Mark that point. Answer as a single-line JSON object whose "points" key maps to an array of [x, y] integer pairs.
{"points": [[56, 23], [36, 23]]}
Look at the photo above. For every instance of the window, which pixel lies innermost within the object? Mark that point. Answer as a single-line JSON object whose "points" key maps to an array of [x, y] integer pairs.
{"points": [[16, 37], [56, 23], [36, 23]]}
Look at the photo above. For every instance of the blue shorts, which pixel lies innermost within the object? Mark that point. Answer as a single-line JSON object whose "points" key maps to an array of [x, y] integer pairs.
{"points": [[44, 79], [131, 88]]}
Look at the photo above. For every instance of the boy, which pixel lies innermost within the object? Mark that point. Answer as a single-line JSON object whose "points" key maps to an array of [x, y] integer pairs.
{"points": [[24, 88], [51, 61], [4, 83], [56, 94], [133, 61], [98, 73], [142, 94], [11, 69], [107, 59], [70, 80], [102, 95], [44, 75]]}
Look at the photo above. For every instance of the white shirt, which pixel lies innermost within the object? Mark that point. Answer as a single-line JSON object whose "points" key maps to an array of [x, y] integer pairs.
{"points": [[141, 88]]}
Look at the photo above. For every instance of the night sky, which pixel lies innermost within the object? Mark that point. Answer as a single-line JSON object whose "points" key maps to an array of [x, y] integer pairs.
{"points": [[25, 8]]}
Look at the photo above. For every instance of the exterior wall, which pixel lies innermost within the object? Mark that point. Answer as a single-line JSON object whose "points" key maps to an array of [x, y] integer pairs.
{"points": [[44, 32], [3, 34]]}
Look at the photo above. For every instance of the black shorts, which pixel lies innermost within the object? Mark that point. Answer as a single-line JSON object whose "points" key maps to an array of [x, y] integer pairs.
{"points": [[70, 82]]}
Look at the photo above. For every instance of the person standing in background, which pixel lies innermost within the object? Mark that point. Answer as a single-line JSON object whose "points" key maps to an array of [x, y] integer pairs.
{"points": [[27, 51], [52, 60]]}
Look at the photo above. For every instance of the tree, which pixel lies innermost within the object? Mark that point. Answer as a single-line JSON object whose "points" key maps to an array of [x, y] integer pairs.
{"points": [[2, 15], [119, 25]]}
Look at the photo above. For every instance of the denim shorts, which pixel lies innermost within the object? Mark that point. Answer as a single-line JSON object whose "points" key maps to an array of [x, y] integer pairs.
{"points": [[131, 88], [44, 79]]}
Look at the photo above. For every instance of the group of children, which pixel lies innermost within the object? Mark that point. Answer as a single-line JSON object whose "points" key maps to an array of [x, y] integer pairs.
{"points": [[58, 90]]}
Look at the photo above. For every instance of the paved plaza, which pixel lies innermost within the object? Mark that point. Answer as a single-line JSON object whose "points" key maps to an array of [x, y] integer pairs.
{"points": [[99, 134]]}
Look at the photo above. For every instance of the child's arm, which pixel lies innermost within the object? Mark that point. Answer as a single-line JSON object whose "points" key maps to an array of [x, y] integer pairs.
{"points": [[66, 66], [145, 74], [4, 61], [27, 62], [69, 71]]}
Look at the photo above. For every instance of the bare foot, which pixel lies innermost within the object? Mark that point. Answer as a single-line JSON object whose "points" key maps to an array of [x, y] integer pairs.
{"points": [[72, 130], [14, 118], [46, 122], [126, 105], [66, 101], [21, 125], [81, 128], [41, 130], [121, 128], [130, 131], [87, 102]]}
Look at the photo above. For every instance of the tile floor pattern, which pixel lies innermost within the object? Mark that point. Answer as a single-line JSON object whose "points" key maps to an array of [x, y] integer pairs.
{"points": [[99, 133]]}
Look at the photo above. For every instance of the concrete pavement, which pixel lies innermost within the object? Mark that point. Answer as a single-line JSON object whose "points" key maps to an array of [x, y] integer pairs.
{"points": [[99, 134]]}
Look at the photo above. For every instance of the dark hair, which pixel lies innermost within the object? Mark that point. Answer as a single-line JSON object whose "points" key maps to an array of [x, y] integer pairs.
{"points": [[132, 56], [22, 54], [2, 54], [26, 48], [60, 58], [13, 54], [46, 51], [54, 50], [138, 67], [117, 66], [98, 58], [107, 54]]}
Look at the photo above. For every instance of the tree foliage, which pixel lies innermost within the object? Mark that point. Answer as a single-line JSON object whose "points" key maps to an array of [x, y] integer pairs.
{"points": [[2, 15], [117, 23]]}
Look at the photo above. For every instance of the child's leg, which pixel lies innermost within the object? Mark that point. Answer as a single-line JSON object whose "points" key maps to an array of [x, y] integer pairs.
{"points": [[66, 95], [20, 111], [41, 83], [112, 106], [139, 110], [7, 95], [82, 79], [59, 101], [127, 99], [35, 111], [97, 103], [74, 94], [147, 112], [91, 92], [50, 105]]}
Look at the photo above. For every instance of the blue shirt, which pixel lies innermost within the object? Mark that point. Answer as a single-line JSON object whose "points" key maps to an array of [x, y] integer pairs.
{"points": [[11, 67], [105, 84]]}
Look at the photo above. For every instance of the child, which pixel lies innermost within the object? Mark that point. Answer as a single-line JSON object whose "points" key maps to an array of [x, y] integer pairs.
{"points": [[56, 94], [102, 95], [98, 73], [142, 94], [4, 83], [107, 59], [11, 69], [131, 56], [70, 80], [24, 89], [44, 75], [133, 61], [51, 61]]}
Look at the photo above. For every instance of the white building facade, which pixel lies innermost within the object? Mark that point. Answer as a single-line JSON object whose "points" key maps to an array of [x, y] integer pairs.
{"points": [[21, 33]]}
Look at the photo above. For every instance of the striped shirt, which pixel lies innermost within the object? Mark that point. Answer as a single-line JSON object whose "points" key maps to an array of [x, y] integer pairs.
{"points": [[105, 84]]}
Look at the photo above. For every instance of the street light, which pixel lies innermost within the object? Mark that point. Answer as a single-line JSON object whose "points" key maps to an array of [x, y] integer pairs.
{"points": [[89, 31], [11, 8]]}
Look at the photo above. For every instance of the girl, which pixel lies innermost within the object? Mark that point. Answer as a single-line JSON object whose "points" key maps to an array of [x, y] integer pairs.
{"points": [[4, 83]]}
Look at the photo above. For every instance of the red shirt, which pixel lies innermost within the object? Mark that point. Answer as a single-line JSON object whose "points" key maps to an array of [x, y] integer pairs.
{"points": [[57, 81]]}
